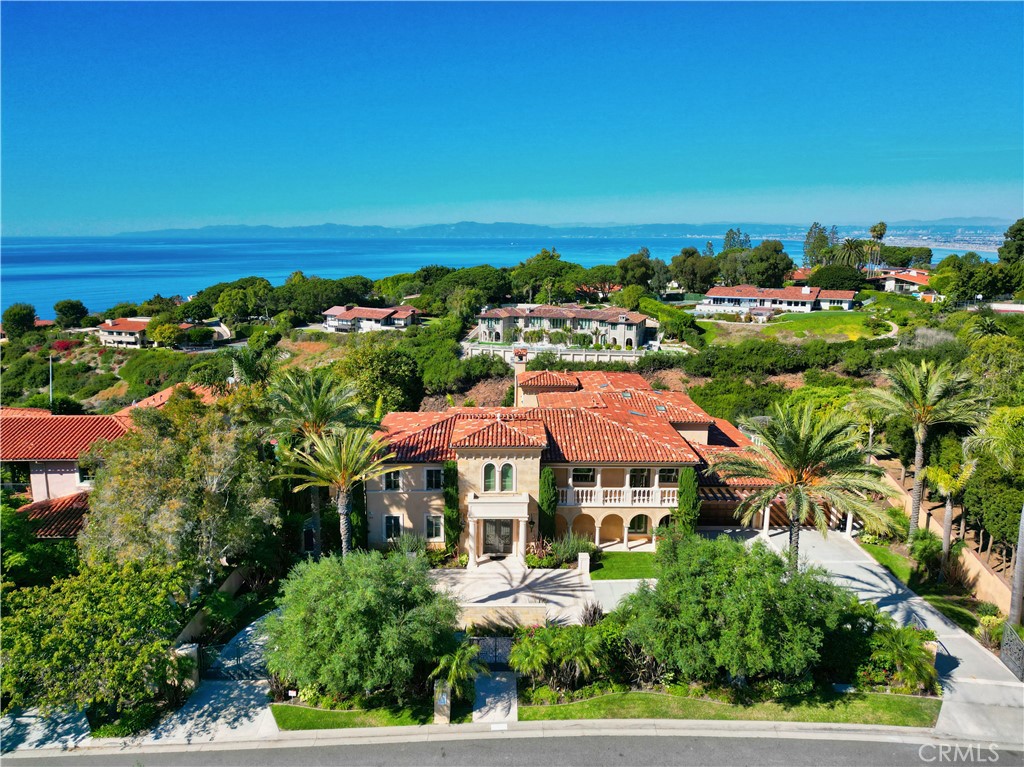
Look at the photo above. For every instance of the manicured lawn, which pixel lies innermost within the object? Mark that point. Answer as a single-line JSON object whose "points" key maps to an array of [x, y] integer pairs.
{"points": [[620, 565], [956, 607], [896, 564], [825, 323], [710, 330], [860, 708], [292, 717]]}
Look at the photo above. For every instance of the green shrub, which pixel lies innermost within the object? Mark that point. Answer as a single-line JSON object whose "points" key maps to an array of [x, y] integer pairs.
{"points": [[926, 550], [221, 610], [567, 549], [986, 609]]}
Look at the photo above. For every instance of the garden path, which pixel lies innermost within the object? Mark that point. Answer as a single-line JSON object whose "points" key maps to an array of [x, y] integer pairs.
{"points": [[981, 698], [496, 699]]}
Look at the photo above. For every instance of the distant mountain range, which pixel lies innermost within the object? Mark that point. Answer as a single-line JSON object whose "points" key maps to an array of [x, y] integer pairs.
{"points": [[508, 230]]}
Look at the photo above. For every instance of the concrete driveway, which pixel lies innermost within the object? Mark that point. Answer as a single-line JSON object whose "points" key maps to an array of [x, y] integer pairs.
{"points": [[981, 698], [506, 582]]}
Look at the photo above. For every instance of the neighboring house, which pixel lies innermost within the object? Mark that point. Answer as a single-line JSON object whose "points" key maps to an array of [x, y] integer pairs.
{"points": [[362, 319], [616, 447], [507, 324], [40, 324], [205, 394], [900, 280], [800, 275], [741, 299], [58, 519], [128, 332], [42, 450]]}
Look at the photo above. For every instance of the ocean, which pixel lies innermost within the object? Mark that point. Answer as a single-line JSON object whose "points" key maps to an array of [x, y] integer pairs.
{"points": [[101, 272]]}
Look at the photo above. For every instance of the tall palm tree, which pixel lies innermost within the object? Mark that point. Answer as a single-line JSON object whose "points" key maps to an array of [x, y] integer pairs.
{"points": [[851, 252], [1002, 437], [312, 403], [950, 485], [814, 464], [253, 367], [337, 462], [460, 667], [927, 395]]}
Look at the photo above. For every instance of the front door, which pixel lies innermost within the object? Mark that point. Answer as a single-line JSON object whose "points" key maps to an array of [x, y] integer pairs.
{"points": [[497, 536]]}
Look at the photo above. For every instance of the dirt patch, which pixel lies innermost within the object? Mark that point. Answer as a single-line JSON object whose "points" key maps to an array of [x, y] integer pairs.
{"points": [[674, 379], [787, 380], [310, 354], [487, 393]]}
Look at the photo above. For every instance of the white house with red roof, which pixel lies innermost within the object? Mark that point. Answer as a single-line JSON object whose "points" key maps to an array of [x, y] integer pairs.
{"points": [[901, 280], [744, 299], [507, 324], [362, 319], [616, 447], [127, 332]]}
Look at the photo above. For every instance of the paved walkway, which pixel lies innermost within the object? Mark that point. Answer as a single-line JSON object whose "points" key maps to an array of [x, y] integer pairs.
{"points": [[508, 582], [981, 698], [496, 699]]}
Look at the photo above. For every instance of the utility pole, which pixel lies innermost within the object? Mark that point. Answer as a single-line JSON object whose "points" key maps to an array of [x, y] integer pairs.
{"points": [[51, 382]]}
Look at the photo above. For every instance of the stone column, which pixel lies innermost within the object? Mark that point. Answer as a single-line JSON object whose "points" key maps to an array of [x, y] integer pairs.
{"points": [[472, 542], [522, 541], [849, 524], [597, 534], [767, 518], [625, 533]]}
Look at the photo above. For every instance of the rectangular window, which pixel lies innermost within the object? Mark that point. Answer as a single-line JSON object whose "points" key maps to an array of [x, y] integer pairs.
{"points": [[435, 479], [392, 527], [639, 478], [583, 323], [393, 480], [86, 473], [582, 476], [435, 527], [558, 323], [668, 476]]}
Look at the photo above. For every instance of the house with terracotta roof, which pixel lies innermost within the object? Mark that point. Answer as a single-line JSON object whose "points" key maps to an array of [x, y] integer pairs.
{"points": [[744, 299], [39, 325], [205, 394], [507, 324], [362, 319], [42, 451], [57, 519], [127, 332], [616, 447], [900, 280]]}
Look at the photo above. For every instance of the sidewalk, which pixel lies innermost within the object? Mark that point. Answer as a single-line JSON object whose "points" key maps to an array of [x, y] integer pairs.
{"points": [[981, 698]]}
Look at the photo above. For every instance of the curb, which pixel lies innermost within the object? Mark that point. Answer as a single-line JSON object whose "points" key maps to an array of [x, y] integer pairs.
{"points": [[513, 730]]}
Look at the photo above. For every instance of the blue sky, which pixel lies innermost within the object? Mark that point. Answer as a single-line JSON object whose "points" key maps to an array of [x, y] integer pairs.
{"points": [[144, 115]]}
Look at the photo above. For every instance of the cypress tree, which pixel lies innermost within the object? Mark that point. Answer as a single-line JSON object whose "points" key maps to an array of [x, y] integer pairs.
{"points": [[452, 515], [688, 501], [548, 502]]}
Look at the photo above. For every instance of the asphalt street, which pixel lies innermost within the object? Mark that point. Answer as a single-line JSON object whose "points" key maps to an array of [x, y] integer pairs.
{"points": [[597, 751]]}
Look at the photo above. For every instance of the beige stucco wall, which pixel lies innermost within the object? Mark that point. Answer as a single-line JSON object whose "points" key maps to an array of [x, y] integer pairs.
{"points": [[413, 503], [526, 479], [694, 433], [55, 479]]}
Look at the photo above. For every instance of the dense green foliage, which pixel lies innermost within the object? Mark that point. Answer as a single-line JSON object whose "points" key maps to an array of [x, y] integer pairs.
{"points": [[26, 560], [547, 503], [687, 500], [452, 512], [97, 640], [19, 319], [367, 624], [837, 277]]}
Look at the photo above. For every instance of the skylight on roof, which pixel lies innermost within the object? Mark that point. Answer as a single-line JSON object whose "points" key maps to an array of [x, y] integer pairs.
{"points": [[633, 412], [661, 408], [627, 395]]}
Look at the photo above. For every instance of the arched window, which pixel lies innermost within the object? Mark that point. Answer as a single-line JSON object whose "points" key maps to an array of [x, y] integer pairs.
{"points": [[490, 483], [507, 483]]}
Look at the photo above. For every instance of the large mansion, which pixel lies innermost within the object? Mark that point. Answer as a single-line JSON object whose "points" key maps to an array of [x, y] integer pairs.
{"points": [[362, 319], [615, 444], [743, 299], [507, 324]]}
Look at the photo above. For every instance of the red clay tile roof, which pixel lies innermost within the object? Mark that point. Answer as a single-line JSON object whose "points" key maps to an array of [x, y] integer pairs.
{"points": [[548, 379], [205, 394], [599, 380], [24, 412], [124, 326], [844, 295], [58, 518], [750, 291], [38, 324], [369, 313], [498, 433], [566, 312], [674, 407], [57, 438]]}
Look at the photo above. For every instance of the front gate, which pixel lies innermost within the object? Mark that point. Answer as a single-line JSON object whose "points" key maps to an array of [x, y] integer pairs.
{"points": [[1012, 651], [493, 650]]}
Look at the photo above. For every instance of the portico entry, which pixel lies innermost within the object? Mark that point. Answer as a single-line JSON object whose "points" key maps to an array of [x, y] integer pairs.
{"points": [[497, 526]]}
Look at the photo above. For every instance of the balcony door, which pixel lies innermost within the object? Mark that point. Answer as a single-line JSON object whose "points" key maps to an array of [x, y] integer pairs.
{"points": [[497, 536]]}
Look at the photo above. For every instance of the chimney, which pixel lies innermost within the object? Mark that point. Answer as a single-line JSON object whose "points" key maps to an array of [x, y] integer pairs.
{"points": [[518, 368], [805, 290], [110, 322]]}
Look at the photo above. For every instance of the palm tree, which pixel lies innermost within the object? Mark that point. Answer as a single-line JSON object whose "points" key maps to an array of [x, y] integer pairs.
{"points": [[307, 404], [339, 461], [984, 327], [903, 649], [461, 667], [253, 367], [530, 656], [927, 395], [577, 650], [1002, 436], [814, 464], [851, 252], [950, 485]]}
